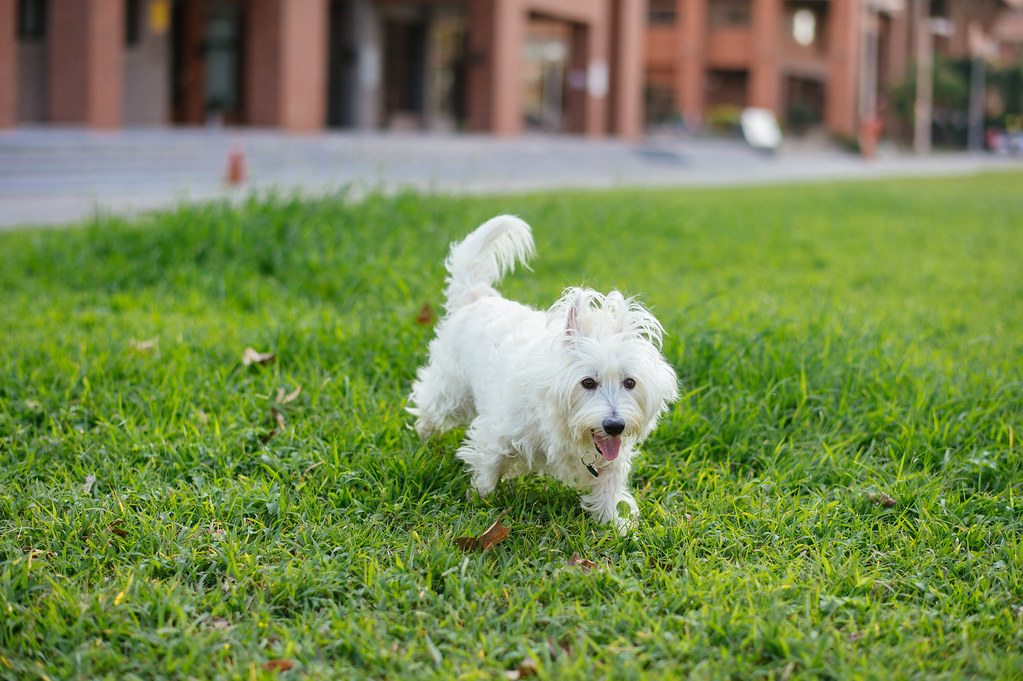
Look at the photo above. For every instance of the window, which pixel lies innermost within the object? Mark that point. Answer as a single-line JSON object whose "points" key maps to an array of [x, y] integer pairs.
{"points": [[662, 12], [728, 13], [804, 27], [31, 19]]}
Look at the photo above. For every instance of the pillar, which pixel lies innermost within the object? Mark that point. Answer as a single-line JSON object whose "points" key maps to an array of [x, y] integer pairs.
{"points": [[843, 41], [286, 63], [479, 86], [86, 62], [8, 63], [507, 38], [598, 74], [691, 73], [764, 73], [627, 38]]}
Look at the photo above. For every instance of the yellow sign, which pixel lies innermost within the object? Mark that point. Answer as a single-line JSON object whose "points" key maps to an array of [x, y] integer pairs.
{"points": [[159, 16]]}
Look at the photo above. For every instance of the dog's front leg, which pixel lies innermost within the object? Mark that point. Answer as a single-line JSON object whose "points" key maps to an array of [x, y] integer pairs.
{"points": [[608, 491], [485, 455]]}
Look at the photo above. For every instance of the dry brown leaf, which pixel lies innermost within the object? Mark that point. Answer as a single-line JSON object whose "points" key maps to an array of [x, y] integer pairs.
{"points": [[277, 419], [523, 671], [143, 347], [209, 622], [115, 528], [252, 356], [557, 648], [283, 398], [584, 563], [881, 500], [426, 316], [492, 535], [278, 665]]}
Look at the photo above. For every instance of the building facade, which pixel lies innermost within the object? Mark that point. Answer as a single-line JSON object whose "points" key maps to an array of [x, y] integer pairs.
{"points": [[830, 63], [502, 66], [812, 61], [498, 66]]}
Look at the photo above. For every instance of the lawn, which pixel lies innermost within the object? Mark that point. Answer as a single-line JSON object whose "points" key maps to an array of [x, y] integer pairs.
{"points": [[833, 497]]}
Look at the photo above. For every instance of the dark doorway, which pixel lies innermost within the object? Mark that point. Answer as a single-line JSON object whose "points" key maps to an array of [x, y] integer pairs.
{"points": [[342, 67], [206, 62], [404, 56]]}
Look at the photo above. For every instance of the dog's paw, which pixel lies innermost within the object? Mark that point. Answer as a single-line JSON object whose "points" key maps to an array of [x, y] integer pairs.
{"points": [[424, 428]]}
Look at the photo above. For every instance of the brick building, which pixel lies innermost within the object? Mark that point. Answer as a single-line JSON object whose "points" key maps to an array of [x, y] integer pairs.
{"points": [[502, 66], [827, 62], [485, 65]]}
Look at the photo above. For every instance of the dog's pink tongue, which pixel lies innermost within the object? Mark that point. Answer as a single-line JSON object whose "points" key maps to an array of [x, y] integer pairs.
{"points": [[608, 446]]}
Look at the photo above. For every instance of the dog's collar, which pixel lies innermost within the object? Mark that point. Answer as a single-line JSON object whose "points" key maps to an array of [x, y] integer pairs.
{"points": [[594, 471]]}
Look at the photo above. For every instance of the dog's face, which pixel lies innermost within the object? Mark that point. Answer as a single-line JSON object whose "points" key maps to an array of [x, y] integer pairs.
{"points": [[613, 383]]}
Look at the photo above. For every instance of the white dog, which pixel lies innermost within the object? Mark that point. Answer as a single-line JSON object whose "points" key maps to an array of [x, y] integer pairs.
{"points": [[570, 391]]}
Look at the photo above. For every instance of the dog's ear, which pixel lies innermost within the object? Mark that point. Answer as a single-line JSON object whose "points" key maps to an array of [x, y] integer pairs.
{"points": [[617, 309], [575, 301]]}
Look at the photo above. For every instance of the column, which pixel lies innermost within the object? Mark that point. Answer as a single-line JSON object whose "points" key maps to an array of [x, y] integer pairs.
{"points": [[479, 88], [691, 71], [843, 42], [508, 37], [598, 73], [86, 62], [286, 63], [765, 75], [628, 27], [8, 64]]}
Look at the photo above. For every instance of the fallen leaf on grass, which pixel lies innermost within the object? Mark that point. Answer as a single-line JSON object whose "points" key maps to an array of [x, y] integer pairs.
{"points": [[557, 648], [881, 500], [426, 315], [584, 563], [209, 622], [252, 356], [90, 480], [524, 670], [278, 419], [283, 398], [115, 528], [529, 666], [278, 665], [493, 534], [143, 347]]}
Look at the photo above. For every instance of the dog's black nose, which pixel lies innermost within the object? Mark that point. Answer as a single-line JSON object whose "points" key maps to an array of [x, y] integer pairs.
{"points": [[613, 425]]}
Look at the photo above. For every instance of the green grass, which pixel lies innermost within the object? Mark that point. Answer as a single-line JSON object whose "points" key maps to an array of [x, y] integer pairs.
{"points": [[834, 496]]}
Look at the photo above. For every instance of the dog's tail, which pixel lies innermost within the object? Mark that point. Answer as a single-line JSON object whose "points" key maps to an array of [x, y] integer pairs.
{"points": [[480, 260]]}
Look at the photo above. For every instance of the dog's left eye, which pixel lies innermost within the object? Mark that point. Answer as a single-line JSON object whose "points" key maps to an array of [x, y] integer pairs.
{"points": [[588, 383], [629, 384]]}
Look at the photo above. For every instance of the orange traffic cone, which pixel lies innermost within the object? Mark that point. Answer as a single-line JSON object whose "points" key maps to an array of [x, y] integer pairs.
{"points": [[235, 166]]}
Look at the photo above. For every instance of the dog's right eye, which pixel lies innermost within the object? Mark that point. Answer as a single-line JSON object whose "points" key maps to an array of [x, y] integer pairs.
{"points": [[588, 383]]}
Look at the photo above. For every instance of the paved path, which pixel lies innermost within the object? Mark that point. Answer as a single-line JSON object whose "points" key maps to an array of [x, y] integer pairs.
{"points": [[55, 176]]}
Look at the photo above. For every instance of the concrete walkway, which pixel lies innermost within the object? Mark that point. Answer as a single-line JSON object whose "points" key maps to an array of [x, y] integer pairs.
{"points": [[56, 176]]}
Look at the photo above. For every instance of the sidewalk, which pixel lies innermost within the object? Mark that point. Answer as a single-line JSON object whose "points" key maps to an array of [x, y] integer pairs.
{"points": [[55, 176]]}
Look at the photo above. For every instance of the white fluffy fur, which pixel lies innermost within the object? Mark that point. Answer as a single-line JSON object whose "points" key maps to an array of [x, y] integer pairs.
{"points": [[516, 376]]}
